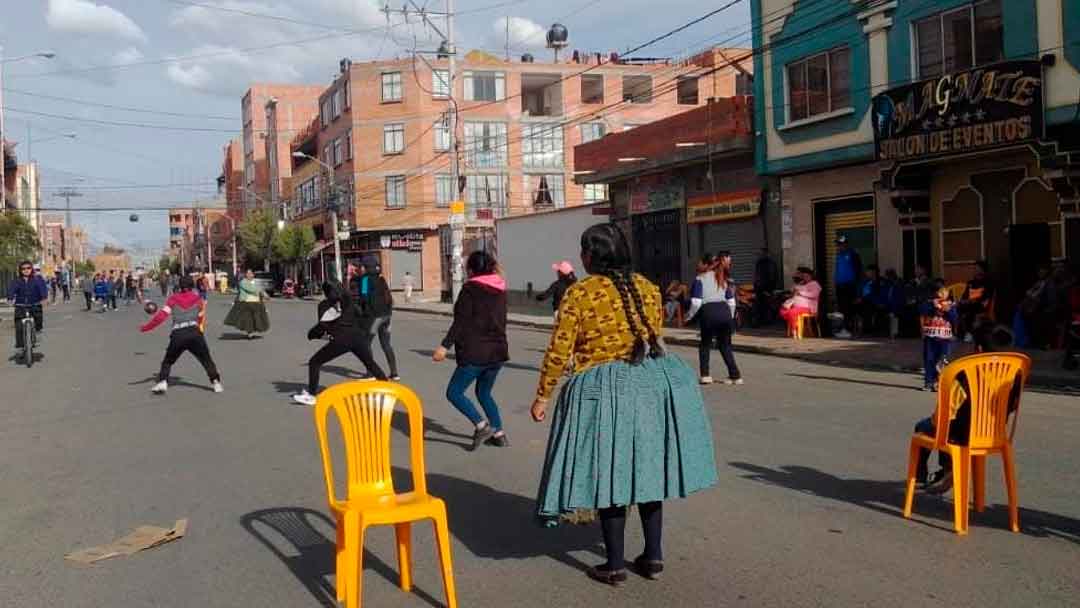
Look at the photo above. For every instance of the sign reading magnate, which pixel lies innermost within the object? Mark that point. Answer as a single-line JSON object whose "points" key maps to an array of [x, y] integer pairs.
{"points": [[979, 109]]}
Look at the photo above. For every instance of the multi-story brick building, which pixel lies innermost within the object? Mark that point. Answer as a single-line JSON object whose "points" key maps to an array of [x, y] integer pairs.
{"points": [[271, 114], [231, 180], [383, 128], [189, 229], [51, 235]]}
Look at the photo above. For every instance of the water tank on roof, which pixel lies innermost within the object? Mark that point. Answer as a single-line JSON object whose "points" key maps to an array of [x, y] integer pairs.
{"points": [[557, 36], [527, 58], [134, 217]]}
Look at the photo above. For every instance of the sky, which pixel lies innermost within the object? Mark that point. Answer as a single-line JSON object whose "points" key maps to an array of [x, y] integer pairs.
{"points": [[184, 64]]}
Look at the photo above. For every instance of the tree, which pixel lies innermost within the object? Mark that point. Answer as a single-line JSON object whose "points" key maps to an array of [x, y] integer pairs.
{"points": [[293, 245], [256, 236], [85, 267], [18, 240]]}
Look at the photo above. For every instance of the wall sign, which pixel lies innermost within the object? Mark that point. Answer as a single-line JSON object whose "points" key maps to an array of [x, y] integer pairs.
{"points": [[723, 206], [656, 193], [979, 109]]}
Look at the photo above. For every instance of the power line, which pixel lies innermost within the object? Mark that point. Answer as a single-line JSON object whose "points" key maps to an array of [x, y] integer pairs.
{"points": [[118, 123], [116, 107]]}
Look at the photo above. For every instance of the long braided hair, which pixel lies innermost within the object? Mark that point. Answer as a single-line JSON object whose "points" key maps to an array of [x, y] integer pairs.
{"points": [[607, 253]]}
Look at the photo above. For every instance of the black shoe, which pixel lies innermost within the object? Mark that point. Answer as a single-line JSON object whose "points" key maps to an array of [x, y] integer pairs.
{"points": [[939, 483], [498, 441], [480, 436], [602, 574], [648, 568]]}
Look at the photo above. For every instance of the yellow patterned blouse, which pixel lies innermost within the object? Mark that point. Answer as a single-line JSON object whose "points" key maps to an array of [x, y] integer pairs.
{"points": [[592, 329]]}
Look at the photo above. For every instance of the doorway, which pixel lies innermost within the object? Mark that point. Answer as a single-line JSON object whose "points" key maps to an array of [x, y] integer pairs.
{"points": [[849, 217], [917, 248], [657, 246]]}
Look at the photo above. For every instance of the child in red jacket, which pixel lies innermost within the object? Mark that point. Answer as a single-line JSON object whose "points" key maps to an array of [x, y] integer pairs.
{"points": [[188, 311]]}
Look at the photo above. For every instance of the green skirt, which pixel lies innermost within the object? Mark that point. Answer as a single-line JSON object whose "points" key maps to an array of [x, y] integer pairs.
{"points": [[625, 434], [248, 317]]}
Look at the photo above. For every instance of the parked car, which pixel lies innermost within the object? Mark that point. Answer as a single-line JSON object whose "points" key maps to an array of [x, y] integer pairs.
{"points": [[267, 282]]}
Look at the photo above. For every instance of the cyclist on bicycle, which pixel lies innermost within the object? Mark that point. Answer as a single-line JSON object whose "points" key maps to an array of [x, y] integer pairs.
{"points": [[28, 293]]}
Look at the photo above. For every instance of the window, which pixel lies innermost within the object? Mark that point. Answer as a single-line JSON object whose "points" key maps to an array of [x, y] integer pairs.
{"points": [[546, 190], [594, 193], [961, 229], [960, 39], [339, 151], [395, 191], [591, 131], [819, 84], [442, 135], [485, 86], [326, 112], [339, 101], [444, 190], [348, 93], [637, 89], [440, 83], [687, 90], [485, 144], [393, 138], [328, 154], [391, 87], [348, 144], [542, 145], [592, 88], [744, 84], [486, 192]]}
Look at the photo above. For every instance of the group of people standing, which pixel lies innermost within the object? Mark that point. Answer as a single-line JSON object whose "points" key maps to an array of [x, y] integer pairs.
{"points": [[108, 288]]}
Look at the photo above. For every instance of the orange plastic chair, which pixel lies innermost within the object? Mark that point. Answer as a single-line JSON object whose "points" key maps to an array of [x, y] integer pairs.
{"points": [[364, 410], [801, 322], [991, 378]]}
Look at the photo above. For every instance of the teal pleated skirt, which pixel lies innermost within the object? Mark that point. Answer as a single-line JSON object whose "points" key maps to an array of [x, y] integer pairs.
{"points": [[625, 434]]}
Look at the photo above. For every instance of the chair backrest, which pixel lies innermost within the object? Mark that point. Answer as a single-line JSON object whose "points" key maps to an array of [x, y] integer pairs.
{"points": [[364, 411], [956, 290], [991, 379]]}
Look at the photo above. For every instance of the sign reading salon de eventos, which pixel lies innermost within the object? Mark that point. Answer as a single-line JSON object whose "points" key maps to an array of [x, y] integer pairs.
{"points": [[983, 108]]}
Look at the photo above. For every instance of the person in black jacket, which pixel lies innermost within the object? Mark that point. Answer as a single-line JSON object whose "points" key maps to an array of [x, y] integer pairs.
{"points": [[339, 319], [478, 336], [377, 304], [564, 278]]}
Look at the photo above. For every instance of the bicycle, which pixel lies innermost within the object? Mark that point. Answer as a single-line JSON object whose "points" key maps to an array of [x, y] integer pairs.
{"points": [[28, 331]]}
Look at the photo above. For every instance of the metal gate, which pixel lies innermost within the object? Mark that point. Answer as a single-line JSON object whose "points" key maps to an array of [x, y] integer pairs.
{"points": [[657, 246], [402, 261], [744, 239]]}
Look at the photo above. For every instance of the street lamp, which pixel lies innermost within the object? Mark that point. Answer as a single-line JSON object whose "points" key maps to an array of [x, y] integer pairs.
{"points": [[3, 129], [333, 210]]}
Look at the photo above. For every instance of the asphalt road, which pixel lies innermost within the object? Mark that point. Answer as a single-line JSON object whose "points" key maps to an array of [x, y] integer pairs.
{"points": [[807, 511]]}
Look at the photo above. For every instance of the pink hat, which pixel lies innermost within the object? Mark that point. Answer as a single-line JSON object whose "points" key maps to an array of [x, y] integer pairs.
{"points": [[563, 267]]}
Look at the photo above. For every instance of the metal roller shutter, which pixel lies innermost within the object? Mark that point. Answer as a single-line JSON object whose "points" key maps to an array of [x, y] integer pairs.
{"points": [[402, 261], [855, 225], [743, 238]]}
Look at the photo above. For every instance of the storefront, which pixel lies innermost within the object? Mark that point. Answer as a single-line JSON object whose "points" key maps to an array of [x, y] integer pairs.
{"points": [[730, 221], [398, 252], [656, 204]]}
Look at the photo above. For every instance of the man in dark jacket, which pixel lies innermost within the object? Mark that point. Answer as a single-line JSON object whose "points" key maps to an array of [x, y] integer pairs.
{"points": [[377, 305], [564, 278], [766, 281], [28, 293]]}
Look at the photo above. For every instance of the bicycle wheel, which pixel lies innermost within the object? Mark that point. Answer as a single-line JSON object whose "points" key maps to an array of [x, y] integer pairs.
{"points": [[28, 343]]}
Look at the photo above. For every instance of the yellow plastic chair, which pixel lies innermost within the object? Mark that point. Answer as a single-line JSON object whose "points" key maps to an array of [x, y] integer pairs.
{"points": [[804, 320], [364, 410], [991, 378]]}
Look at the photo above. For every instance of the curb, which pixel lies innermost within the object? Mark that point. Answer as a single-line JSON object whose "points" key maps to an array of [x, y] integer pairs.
{"points": [[1042, 381]]}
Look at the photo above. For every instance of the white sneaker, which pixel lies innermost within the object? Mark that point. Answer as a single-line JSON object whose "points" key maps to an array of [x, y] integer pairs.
{"points": [[160, 388], [304, 398], [843, 334], [218, 388], [968, 338], [706, 380], [735, 382]]}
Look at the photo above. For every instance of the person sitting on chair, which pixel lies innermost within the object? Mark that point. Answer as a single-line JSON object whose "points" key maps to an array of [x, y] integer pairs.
{"points": [[804, 299]]}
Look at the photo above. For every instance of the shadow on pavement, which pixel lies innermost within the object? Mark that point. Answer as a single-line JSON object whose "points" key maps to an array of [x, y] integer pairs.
{"points": [[235, 337], [289, 388], [888, 497], [450, 357], [295, 536], [173, 382], [908, 387], [400, 423]]}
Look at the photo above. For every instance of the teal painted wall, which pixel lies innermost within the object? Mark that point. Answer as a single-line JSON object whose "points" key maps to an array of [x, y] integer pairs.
{"points": [[1070, 14], [761, 142]]}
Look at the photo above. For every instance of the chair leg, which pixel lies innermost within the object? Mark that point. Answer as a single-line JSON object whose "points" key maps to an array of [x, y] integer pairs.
{"points": [[355, 542], [978, 480], [1009, 458], [965, 457], [912, 467], [959, 484], [342, 559], [442, 535], [404, 554]]}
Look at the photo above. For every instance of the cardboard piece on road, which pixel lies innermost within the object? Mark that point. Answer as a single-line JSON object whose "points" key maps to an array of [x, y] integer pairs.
{"points": [[143, 537]]}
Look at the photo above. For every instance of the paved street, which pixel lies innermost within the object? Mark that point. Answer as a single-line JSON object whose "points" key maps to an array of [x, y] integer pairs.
{"points": [[807, 512]]}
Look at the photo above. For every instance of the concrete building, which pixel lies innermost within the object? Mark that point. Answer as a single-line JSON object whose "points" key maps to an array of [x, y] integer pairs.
{"points": [[51, 235], [382, 126], [201, 235], [935, 133], [26, 195], [272, 114], [231, 180], [75, 244]]}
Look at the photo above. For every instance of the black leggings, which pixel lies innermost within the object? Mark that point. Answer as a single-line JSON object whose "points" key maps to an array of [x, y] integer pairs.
{"points": [[89, 300], [188, 339], [381, 328], [357, 345], [613, 526], [717, 327]]}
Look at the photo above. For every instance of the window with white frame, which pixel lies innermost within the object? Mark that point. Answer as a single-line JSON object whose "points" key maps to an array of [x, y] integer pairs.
{"points": [[591, 131], [339, 151], [546, 190], [393, 138], [442, 135], [819, 84], [391, 86], [395, 191], [959, 39], [484, 86], [440, 83], [339, 101], [637, 89], [444, 190], [542, 145], [348, 145], [594, 193], [486, 192], [485, 144], [326, 112]]}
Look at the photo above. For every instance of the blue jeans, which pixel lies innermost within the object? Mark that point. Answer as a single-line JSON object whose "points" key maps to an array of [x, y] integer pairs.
{"points": [[934, 350], [484, 376]]}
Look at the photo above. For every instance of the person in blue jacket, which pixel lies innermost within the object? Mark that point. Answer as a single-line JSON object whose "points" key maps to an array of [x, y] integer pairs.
{"points": [[102, 289], [28, 293], [846, 276]]}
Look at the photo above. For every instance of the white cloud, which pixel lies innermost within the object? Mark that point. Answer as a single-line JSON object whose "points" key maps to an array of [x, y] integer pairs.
{"points": [[356, 13], [126, 56], [85, 17], [224, 70], [525, 34]]}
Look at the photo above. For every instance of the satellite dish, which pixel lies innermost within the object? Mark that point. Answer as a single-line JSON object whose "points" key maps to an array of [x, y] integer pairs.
{"points": [[134, 217]]}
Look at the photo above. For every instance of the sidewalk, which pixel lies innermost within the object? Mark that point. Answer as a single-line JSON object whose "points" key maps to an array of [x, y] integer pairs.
{"points": [[875, 354]]}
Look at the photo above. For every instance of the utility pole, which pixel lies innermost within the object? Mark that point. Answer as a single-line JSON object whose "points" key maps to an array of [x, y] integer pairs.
{"points": [[67, 194]]}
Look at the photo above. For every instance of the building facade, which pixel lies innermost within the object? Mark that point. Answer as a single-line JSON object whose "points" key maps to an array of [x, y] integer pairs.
{"points": [[200, 236], [937, 134], [26, 194], [231, 180], [384, 129]]}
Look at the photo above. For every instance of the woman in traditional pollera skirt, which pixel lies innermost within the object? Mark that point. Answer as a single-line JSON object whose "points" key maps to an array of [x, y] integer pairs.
{"points": [[629, 428], [248, 313]]}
